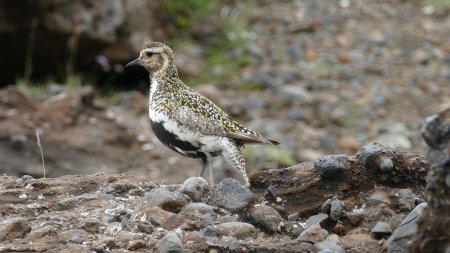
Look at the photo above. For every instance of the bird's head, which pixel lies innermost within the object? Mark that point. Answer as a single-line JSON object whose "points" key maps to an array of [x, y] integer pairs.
{"points": [[157, 58]]}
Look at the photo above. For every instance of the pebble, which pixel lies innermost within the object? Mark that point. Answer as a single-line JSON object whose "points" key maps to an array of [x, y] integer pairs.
{"points": [[124, 236], [316, 219], [136, 244], [295, 93], [360, 243], [145, 227], [331, 165], [77, 239], [355, 218], [14, 229], [239, 230], [406, 194], [331, 244], [76, 236], [372, 153], [230, 195], [194, 187], [170, 244], [167, 200], [313, 234], [173, 222], [296, 114], [156, 215], [336, 209], [293, 216], [398, 242], [200, 208], [378, 197], [381, 230], [265, 217]]}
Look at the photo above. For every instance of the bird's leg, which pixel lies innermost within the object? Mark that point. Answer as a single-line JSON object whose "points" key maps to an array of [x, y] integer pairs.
{"points": [[211, 175], [204, 165], [235, 158]]}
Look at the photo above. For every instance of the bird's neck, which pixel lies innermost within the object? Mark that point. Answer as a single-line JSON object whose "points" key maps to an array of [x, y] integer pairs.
{"points": [[165, 81], [165, 74]]}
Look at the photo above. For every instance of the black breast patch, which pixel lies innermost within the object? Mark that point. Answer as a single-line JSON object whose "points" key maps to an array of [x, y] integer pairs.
{"points": [[173, 141]]}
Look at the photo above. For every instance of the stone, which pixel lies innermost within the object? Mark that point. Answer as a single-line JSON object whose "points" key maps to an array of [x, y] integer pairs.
{"points": [[145, 227], [199, 208], [265, 217], [296, 114], [14, 229], [155, 215], [377, 156], [406, 199], [360, 243], [170, 244], [173, 222], [331, 244], [336, 209], [295, 93], [135, 244], [293, 216], [70, 202], [398, 242], [229, 194], [194, 187], [331, 165], [313, 234], [381, 230], [77, 239], [75, 236], [355, 218], [167, 200], [379, 196], [239, 230], [124, 236], [316, 219]]}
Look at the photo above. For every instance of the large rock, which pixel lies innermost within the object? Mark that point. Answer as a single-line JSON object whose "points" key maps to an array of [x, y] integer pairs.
{"points": [[170, 243], [230, 195], [433, 233], [398, 242]]}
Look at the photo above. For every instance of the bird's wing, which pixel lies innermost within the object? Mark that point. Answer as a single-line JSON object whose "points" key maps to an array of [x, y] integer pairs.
{"points": [[201, 115]]}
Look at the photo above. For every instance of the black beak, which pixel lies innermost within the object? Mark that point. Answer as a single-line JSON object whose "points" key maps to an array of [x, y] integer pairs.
{"points": [[132, 63]]}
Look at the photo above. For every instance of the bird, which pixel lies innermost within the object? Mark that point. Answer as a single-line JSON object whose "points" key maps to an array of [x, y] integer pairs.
{"points": [[187, 122]]}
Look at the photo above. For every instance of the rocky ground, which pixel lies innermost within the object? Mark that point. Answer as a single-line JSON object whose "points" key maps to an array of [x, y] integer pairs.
{"points": [[336, 204], [325, 78], [372, 201]]}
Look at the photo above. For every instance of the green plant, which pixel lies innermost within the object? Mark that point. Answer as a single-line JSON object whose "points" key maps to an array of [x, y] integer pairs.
{"points": [[185, 13], [225, 55], [28, 89], [438, 3]]}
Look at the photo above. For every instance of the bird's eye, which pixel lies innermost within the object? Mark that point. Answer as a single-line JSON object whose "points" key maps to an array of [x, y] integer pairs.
{"points": [[149, 54]]}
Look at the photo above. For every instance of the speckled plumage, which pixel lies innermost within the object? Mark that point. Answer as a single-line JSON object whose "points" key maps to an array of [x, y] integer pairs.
{"points": [[188, 122]]}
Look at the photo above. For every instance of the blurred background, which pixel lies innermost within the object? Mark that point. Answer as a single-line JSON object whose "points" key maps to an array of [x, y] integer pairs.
{"points": [[321, 77]]}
